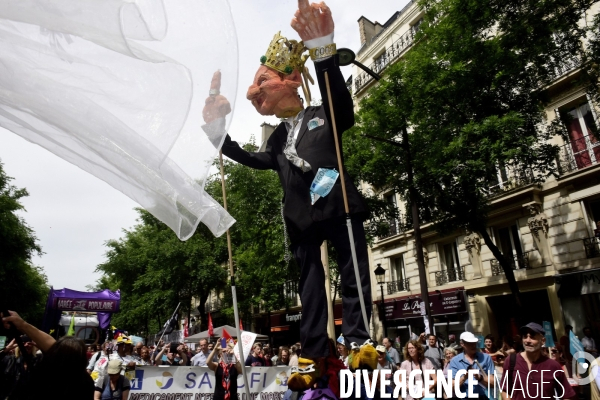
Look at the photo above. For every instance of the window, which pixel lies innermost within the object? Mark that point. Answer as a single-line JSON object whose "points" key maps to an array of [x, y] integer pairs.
{"points": [[380, 62], [398, 275], [394, 224], [510, 245], [451, 270], [583, 147]]}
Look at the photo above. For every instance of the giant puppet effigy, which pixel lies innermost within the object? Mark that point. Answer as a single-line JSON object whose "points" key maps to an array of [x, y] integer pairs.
{"points": [[302, 150]]}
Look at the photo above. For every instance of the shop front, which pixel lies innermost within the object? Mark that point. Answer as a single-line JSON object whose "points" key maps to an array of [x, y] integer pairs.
{"points": [[403, 318], [579, 294]]}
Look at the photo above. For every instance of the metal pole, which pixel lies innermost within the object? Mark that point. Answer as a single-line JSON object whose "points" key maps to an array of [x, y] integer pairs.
{"points": [[383, 319], [236, 313], [346, 207]]}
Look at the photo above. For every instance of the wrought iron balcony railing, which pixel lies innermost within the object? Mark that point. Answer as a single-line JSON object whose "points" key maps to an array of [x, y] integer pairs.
{"points": [[388, 57], [566, 65], [516, 262], [400, 285], [450, 275], [515, 181], [394, 228], [592, 247], [579, 153]]}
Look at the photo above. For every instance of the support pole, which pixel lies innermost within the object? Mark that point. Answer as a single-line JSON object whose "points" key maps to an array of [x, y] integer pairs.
{"points": [[330, 318], [236, 313], [346, 207]]}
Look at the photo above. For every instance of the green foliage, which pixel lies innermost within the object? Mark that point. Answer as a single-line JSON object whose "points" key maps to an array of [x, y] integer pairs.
{"points": [[24, 286]]}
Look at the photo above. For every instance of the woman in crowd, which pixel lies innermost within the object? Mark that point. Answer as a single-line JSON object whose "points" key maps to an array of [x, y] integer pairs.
{"points": [[556, 353], [62, 358], [226, 371], [414, 358], [114, 386], [449, 353], [343, 352]]}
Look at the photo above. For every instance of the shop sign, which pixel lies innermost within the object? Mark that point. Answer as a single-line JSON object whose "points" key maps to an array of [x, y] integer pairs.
{"points": [[445, 303], [293, 317], [590, 282], [74, 304]]}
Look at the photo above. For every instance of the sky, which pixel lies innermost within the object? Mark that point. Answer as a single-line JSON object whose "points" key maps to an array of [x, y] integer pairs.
{"points": [[74, 213]]}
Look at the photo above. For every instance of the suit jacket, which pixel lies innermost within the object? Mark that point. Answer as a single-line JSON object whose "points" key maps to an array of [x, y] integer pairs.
{"points": [[317, 147]]}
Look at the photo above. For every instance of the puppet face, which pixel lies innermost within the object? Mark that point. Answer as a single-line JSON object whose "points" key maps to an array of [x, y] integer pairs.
{"points": [[273, 93]]}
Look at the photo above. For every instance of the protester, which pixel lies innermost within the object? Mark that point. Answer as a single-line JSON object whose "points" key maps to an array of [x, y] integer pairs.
{"points": [[113, 386], [255, 358], [283, 358], [452, 343], [556, 353], [433, 352], [414, 358], [267, 356], [295, 350], [96, 357], [469, 359], [200, 359], [449, 354], [518, 343], [392, 352], [532, 360], [226, 372], [63, 358], [145, 357], [175, 355], [343, 352], [384, 362]]}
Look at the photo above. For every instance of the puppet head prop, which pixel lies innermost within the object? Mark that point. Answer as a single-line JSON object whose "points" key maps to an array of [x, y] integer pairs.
{"points": [[275, 87]]}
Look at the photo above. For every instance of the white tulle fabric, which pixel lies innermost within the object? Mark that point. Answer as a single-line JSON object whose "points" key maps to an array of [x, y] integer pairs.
{"points": [[117, 87]]}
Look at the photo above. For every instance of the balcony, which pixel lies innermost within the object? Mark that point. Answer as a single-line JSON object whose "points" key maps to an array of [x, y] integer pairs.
{"points": [[400, 285], [514, 182], [565, 66], [388, 57], [450, 275], [393, 228], [517, 262], [577, 154], [592, 247]]}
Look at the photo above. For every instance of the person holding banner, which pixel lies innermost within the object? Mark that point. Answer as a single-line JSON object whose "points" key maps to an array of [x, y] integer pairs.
{"points": [[226, 370]]}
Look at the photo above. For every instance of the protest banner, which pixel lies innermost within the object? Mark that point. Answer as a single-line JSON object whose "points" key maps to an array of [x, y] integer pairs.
{"points": [[198, 383], [248, 339]]}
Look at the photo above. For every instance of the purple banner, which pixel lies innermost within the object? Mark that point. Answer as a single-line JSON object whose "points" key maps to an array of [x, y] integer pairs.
{"points": [[74, 304], [450, 302]]}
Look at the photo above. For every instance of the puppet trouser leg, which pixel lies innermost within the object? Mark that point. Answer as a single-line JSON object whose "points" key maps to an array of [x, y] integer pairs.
{"points": [[313, 325], [353, 327]]}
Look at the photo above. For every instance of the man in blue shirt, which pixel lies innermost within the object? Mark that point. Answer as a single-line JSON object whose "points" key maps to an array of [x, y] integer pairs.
{"points": [[469, 359]]}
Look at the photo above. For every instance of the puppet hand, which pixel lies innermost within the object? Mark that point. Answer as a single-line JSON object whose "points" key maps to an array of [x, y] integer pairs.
{"points": [[312, 21], [216, 105]]}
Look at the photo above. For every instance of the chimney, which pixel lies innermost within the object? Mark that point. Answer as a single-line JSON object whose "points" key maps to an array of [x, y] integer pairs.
{"points": [[267, 130], [368, 30]]}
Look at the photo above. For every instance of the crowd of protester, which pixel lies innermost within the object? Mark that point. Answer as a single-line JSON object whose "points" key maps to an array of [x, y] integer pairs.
{"points": [[104, 372]]}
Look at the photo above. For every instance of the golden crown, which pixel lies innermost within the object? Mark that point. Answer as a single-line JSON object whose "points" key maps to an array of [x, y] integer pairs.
{"points": [[285, 55]]}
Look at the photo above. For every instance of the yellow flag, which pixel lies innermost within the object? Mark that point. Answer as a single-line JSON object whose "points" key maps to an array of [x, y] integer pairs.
{"points": [[71, 331]]}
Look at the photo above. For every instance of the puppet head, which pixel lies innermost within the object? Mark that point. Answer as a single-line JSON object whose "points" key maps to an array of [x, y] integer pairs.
{"points": [[275, 87]]}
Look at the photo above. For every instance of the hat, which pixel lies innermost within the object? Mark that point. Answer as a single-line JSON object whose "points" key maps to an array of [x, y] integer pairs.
{"points": [[532, 326], [380, 349], [114, 367], [124, 340], [468, 337], [341, 340]]}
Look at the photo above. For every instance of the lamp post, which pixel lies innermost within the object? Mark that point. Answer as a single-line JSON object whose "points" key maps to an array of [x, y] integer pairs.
{"points": [[380, 276]]}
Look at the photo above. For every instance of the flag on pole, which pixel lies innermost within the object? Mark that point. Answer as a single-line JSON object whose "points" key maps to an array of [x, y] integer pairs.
{"points": [[227, 336], [241, 326], [71, 331], [211, 332], [186, 332]]}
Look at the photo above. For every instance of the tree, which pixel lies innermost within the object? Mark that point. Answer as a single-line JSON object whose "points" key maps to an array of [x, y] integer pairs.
{"points": [[24, 286], [473, 96], [155, 271]]}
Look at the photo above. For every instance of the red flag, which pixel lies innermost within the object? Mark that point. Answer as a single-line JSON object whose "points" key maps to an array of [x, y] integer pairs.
{"points": [[210, 326], [226, 336], [241, 326], [186, 332]]}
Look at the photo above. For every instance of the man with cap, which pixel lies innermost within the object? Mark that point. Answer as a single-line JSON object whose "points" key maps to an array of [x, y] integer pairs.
{"points": [[302, 151], [469, 359], [533, 375], [113, 385]]}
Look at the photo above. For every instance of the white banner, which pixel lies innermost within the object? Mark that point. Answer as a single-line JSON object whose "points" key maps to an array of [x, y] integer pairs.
{"points": [[198, 383], [248, 339]]}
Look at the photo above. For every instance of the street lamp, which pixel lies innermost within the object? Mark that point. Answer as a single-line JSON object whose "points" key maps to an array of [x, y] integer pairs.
{"points": [[380, 276]]}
